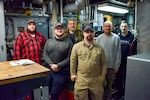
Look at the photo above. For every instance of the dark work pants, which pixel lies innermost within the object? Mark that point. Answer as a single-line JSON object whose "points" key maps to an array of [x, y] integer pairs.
{"points": [[120, 78], [109, 80], [57, 83]]}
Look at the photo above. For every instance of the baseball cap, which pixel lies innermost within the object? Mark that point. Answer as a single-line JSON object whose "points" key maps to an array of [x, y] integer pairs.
{"points": [[87, 28], [58, 24], [31, 21]]}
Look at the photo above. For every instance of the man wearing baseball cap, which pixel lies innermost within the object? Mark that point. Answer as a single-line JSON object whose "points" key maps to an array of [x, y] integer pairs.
{"points": [[57, 55], [29, 44], [31, 21], [88, 67]]}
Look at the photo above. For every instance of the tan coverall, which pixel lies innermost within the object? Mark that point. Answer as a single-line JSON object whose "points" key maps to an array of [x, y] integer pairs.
{"points": [[89, 64]]}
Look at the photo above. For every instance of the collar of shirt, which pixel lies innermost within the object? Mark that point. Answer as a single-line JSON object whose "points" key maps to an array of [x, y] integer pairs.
{"points": [[61, 39], [83, 42]]}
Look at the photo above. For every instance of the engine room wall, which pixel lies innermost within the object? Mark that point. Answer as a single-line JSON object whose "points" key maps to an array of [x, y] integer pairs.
{"points": [[143, 26], [16, 25], [2, 34]]}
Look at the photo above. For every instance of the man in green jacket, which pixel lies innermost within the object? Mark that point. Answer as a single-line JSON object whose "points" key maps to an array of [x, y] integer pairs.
{"points": [[75, 35]]}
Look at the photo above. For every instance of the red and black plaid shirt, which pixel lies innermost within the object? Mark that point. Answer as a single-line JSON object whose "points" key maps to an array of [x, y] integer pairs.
{"points": [[27, 47]]}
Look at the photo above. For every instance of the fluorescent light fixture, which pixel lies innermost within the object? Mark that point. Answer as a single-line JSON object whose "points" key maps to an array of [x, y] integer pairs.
{"points": [[112, 8]]}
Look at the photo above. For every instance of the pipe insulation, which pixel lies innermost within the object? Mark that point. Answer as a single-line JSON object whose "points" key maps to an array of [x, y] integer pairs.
{"points": [[74, 7], [37, 2]]}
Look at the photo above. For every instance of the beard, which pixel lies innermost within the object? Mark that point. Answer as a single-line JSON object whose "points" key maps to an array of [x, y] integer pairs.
{"points": [[73, 28], [59, 35], [31, 31], [89, 38]]}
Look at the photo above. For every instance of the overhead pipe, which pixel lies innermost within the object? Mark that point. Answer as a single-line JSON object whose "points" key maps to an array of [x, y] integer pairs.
{"points": [[54, 16], [61, 11], [40, 2], [85, 13], [23, 15], [135, 20], [74, 7]]}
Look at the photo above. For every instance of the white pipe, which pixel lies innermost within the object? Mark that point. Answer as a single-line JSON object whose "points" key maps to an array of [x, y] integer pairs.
{"points": [[2, 34], [54, 16], [135, 16], [61, 11]]}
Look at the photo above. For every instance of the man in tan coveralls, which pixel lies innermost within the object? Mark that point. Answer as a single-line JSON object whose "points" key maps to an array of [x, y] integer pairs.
{"points": [[88, 68]]}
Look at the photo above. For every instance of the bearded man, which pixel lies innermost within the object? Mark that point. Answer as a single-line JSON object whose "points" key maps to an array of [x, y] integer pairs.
{"points": [[29, 44], [75, 35], [88, 67]]}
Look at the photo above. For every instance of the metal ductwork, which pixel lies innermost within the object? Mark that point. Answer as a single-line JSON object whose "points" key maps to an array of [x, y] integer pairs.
{"points": [[39, 2], [73, 7]]}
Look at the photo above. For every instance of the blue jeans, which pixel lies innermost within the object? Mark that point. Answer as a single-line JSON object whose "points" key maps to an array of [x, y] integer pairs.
{"points": [[57, 82]]}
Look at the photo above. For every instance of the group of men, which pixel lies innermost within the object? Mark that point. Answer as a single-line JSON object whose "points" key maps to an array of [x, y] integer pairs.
{"points": [[76, 55]]}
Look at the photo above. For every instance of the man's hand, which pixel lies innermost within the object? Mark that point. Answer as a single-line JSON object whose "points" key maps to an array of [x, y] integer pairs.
{"points": [[73, 77], [54, 67]]}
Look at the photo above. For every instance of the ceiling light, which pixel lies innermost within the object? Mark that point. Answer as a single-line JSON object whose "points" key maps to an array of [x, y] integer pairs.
{"points": [[112, 8]]}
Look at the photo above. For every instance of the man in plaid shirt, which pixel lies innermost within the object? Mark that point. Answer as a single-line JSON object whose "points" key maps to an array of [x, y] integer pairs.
{"points": [[29, 44]]}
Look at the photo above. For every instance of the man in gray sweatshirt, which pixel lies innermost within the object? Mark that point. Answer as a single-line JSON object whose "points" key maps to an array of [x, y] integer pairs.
{"points": [[111, 45]]}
